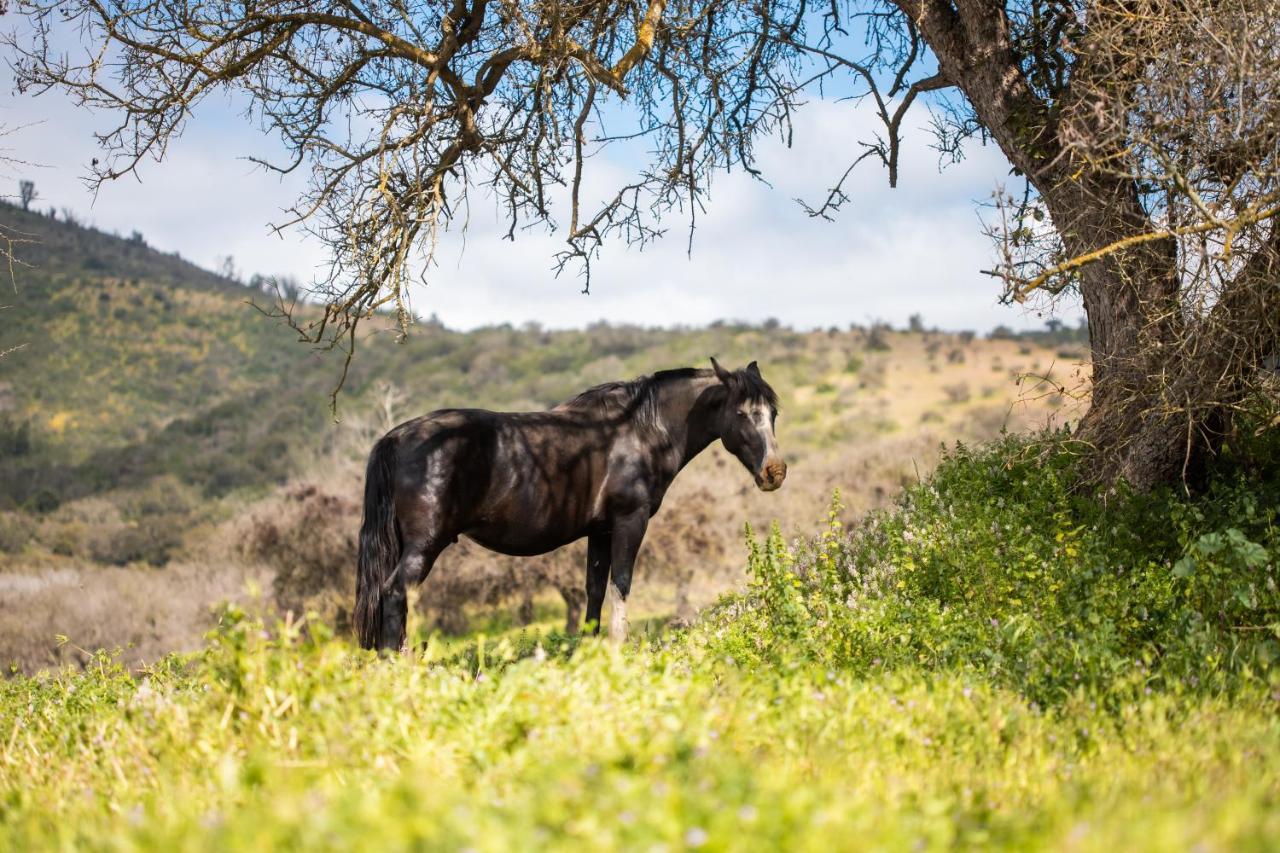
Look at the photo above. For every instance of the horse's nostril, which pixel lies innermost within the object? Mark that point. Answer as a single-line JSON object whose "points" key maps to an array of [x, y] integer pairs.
{"points": [[773, 473]]}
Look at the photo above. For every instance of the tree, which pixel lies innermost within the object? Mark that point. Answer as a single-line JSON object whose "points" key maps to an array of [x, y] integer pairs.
{"points": [[1147, 132], [1144, 132], [225, 266], [27, 193]]}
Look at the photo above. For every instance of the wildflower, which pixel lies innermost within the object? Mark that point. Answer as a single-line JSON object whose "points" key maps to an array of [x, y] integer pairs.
{"points": [[695, 837]]}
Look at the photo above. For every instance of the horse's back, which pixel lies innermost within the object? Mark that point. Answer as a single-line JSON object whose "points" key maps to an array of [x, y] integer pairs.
{"points": [[517, 482]]}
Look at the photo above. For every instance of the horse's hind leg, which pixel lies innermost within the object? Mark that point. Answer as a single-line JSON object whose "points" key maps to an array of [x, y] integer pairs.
{"points": [[417, 557], [415, 564], [395, 602]]}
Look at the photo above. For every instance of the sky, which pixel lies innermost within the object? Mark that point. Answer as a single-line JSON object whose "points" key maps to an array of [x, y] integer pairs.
{"points": [[756, 255]]}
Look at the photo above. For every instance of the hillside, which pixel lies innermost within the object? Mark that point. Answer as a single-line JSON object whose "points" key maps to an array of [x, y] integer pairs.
{"points": [[134, 364], [162, 443]]}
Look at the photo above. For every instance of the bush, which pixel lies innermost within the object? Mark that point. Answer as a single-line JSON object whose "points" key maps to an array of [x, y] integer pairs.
{"points": [[999, 565], [309, 538], [152, 541], [16, 530], [957, 392]]}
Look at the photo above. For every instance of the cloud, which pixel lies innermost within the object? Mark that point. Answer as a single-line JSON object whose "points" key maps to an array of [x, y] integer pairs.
{"points": [[889, 254]]}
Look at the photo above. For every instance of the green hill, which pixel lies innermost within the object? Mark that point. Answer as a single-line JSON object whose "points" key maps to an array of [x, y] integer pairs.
{"points": [[131, 363]]}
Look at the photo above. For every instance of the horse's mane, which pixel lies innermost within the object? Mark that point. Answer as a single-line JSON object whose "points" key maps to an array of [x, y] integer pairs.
{"points": [[638, 397]]}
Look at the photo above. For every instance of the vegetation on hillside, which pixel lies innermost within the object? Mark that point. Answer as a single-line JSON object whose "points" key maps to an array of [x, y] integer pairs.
{"points": [[996, 660]]}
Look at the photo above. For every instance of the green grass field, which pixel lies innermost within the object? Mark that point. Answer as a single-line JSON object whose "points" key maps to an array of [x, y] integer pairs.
{"points": [[997, 661]]}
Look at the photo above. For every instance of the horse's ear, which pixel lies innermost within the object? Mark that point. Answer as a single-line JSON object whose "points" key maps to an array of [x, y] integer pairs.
{"points": [[754, 369], [720, 371]]}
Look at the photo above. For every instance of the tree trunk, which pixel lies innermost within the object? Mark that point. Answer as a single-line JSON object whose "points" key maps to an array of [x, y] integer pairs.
{"points": [[1135, 328], [1130, 297]]}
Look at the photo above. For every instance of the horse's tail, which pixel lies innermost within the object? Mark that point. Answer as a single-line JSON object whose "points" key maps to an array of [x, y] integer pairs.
{"points": [[379, 543]]}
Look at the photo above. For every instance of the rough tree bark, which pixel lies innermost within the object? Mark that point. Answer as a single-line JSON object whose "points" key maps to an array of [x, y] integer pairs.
{"points": [[1143, 357]]}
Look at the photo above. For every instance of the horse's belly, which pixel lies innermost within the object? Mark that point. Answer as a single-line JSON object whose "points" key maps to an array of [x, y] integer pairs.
{"points": [[521, 543]]}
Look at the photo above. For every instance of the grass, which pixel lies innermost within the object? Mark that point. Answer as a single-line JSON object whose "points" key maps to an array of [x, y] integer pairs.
{"points": [[267, 744], [942, 675]]}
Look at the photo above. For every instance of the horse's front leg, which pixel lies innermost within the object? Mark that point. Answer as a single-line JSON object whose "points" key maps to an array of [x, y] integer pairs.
{"points": [[628, 533], [598, 559]]}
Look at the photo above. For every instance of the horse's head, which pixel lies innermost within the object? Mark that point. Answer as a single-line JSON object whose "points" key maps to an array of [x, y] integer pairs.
{"points": [[746, 424]]}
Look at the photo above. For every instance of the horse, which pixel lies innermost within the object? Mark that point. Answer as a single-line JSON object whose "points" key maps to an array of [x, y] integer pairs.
{"points": [[526, 483]]}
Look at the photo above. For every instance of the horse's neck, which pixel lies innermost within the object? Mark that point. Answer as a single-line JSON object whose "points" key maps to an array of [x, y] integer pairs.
{"points": [[689, 415]]}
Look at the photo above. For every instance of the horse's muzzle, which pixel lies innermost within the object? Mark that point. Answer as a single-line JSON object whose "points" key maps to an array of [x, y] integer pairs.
{"points": [[771, 475]]}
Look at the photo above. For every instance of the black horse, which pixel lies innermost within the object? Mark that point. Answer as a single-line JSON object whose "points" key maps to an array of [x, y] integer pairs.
{"points": [[529, 482]]}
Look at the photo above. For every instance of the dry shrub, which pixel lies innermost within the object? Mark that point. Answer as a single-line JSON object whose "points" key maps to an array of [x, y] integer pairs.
{"points": [[308, 536], [16, 530], [689, 537], [873, 375], [878, 338], [468, 576], [145, 612], [957, 392], [143, 525], [687, 541]]}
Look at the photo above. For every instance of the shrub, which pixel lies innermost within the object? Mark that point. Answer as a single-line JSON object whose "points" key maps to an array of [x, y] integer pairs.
{"points": [[999, 565], [957, 392], [152, 541], [878, 338], [16, 530], [308, 537]]}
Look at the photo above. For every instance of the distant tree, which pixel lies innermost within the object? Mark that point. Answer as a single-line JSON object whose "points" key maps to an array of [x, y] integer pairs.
{"points": [[288, 287], [915, 323], [27, 193], [877, 337], [225, 266]]}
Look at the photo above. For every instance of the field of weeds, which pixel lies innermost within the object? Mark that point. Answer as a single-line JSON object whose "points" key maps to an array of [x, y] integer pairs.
{"points": [[965, 669]]}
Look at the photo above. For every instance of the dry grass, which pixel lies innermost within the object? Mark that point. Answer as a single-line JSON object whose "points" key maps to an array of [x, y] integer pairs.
{"points": [[146, 612]]}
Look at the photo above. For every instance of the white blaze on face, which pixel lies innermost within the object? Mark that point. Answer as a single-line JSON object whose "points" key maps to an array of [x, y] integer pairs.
{"points": [[761, 417], [772, 470]]}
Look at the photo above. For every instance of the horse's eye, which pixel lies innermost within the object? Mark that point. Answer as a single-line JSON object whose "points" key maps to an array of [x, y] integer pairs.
{"points": [[742, 414]]}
